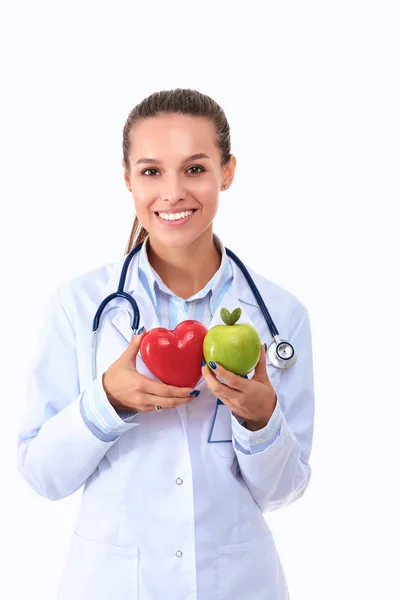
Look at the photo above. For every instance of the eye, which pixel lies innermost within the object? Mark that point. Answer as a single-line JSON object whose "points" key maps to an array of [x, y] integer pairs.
{"points": [[197, 167], [143, 172], [201, 169]]}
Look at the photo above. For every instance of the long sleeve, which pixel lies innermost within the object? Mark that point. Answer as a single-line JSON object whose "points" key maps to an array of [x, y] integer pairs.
{"points": [[279, 474], [250, 442], [101, 418], [57, 450]]}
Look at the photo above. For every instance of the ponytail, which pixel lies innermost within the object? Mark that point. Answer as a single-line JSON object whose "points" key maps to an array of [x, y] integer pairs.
{"points": [[137, 235]]}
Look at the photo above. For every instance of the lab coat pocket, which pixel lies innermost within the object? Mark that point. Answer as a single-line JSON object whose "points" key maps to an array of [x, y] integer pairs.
{"points": [[99, 571], [251, 570]]}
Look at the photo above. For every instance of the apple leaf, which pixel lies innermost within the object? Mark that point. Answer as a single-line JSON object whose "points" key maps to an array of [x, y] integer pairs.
{"points": [[225, 316], [230, 318], [235, 315]]}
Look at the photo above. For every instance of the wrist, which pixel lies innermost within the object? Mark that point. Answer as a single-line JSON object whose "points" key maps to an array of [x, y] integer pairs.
{"points": [[105, 384], [255, 425]]}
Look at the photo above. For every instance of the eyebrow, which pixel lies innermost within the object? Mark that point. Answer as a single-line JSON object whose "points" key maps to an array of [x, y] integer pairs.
{"points": [[152, 161]]}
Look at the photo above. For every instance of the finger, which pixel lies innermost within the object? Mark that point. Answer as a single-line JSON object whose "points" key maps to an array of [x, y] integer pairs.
{"points": [[220, 390], [129, 355], [152, 399], [260, 371], [225, 394], [151, 407], [209, 376], [236, 382], [147, 402], [157, 388]]}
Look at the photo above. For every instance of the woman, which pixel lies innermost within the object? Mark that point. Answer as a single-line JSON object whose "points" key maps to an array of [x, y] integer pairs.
{"points": [[166, 515]]}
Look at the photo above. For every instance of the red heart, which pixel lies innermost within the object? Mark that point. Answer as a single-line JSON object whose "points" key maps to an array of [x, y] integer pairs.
{"points": [[174, 356]]}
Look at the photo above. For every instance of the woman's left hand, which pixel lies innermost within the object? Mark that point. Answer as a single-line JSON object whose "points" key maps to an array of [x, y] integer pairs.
{"points": [[253, 399]]}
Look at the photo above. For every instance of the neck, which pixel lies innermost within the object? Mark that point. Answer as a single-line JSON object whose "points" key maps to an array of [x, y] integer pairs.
{"points": [[185, 271]]}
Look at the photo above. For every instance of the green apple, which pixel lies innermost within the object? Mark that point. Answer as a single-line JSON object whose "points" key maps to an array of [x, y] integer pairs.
{"points": [[235, 346]]}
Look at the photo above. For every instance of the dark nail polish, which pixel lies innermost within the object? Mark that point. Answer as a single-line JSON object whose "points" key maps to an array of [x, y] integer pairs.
{"points": [[140, 330], [195, 393], [203, 362], [265, 347], [244, 376], [212, 365]]}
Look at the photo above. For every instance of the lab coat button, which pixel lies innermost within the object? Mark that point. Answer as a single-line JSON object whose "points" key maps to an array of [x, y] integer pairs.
{"points": [[179, 481], [178, 553]]}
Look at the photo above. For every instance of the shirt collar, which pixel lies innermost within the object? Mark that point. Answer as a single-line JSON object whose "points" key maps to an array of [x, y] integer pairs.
{"points": [[153, 282]]}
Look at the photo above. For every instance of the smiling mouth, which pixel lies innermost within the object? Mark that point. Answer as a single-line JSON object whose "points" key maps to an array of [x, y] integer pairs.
{"points": [[185, 214]]}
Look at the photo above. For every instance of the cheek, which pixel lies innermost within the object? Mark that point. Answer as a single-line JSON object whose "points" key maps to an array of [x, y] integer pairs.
{"points": [[140, 194], [142, 201], [209, 202], [208, 184], [206, 193]]}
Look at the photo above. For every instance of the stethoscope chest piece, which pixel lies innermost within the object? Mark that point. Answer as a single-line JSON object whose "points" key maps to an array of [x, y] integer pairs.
{"points": [[281, 353]]}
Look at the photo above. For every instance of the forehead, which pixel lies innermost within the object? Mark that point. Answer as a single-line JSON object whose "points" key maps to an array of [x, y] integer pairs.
{"points": [[180, 134]]}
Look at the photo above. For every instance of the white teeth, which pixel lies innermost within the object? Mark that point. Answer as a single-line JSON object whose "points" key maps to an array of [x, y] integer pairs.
{"points": [[175, 216]]}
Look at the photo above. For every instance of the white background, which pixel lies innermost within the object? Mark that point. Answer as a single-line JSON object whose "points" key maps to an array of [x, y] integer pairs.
{"points": [[311, 91]]}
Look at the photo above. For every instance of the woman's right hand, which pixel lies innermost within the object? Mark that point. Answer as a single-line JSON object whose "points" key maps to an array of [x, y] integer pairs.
{"points": [[128, 390]]}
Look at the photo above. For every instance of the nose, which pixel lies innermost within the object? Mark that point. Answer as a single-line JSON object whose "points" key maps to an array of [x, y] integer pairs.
{"points": [[173, 190]]}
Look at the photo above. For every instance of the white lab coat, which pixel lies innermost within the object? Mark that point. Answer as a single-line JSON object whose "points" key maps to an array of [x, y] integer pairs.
{"points": [[164, 514]]}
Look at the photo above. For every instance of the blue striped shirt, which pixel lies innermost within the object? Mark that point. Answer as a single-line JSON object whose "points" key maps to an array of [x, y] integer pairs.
{"points": [[108, 424]]}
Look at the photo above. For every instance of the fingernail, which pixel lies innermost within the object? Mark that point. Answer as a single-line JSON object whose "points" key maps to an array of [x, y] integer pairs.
{"points": [[265, 347], [212, 365], [195, 393], [244, 376], [203, 362], [140, 330]]}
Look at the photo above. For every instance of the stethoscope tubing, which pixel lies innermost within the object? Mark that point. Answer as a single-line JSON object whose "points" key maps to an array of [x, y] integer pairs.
{"points": [[136, 313]]}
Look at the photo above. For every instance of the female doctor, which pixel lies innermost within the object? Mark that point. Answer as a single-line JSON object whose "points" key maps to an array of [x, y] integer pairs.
{"points": [[165, 513]]}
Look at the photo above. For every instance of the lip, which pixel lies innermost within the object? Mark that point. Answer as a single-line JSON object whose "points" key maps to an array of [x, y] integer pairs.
{"points": [[178, 222]]}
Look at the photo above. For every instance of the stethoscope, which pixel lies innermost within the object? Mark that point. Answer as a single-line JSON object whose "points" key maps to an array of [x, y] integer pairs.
{"points": [[281, 353]]}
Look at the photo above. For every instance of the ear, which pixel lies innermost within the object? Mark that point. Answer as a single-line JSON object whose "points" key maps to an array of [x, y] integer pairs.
{"points": [[229, 172], [126, 176]]}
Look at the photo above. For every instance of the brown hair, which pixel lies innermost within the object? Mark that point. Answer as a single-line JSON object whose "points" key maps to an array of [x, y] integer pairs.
{"points": [[183, 101]]}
